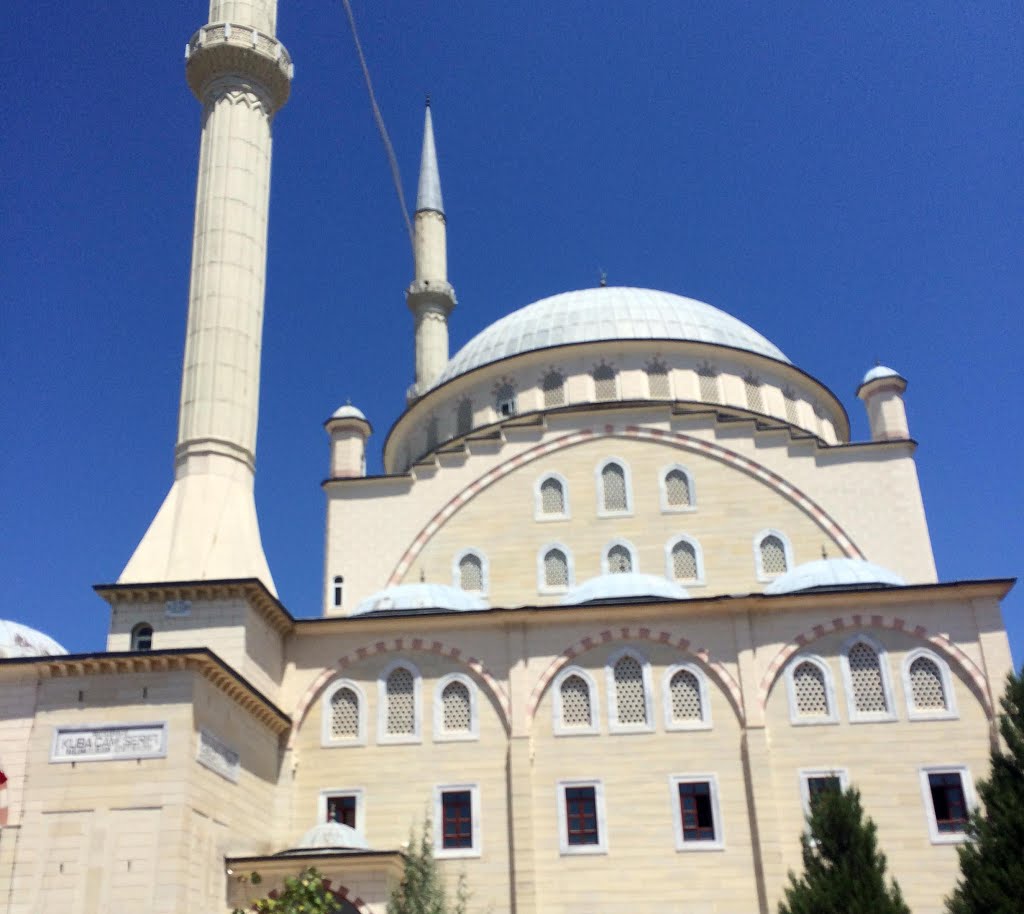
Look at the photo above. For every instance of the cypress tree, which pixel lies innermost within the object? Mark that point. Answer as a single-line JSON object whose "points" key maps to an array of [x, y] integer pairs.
{"points": [[992, 861], [421, 889], [844, 872]]}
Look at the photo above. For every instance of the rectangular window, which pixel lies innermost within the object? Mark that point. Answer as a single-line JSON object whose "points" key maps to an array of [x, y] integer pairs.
{"points": [[344, 805], [457, 820], [948, 799], [696, 815], [581, 817], [815, 781]]}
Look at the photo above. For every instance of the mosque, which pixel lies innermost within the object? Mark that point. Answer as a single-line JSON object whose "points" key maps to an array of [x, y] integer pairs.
{"points": [[624, 599]]}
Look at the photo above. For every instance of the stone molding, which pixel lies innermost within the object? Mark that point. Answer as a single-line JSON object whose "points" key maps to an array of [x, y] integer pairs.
{"points": [[225, 54]]}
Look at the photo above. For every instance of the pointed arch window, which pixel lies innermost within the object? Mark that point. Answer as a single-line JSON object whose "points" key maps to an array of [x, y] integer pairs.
{"points": [[684, 561], [505, 399], [685, 698], [551, 498], [574, 703], [555, 570], [142, 637], [613, 484], [455, 708], [789, 395], [433, 433], [399, 703], [470, 571], [676, 489], [927, 686], [344, 715], [619, 558], [707, 379], [604, 382], [773, 555], [866, 679], [752, 387], [629, 692], [339, 586], [658, 386], [464, 417], [810, 691], [553, 388]]}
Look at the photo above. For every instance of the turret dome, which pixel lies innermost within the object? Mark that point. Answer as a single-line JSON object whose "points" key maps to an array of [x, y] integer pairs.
{"points": [[624, 586], [880, 371], [332, 836], [348, 411], [834, 573], [17, 640], [420, 596]]}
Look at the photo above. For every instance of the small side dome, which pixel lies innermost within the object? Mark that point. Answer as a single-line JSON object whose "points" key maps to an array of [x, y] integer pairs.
{"points": [[419, 596], [615, 588], [348, 411], [880, 371], [330, 836], [17, 640], [834, 574]]}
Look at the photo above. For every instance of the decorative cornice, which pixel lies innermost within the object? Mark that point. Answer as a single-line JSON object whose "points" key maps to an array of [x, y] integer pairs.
{"points": [[426, 295]]}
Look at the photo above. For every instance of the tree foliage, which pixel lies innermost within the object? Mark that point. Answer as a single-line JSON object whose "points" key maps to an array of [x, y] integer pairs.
{"points": [[422, 889], [302, 894], [992, 861], [844, 872]]}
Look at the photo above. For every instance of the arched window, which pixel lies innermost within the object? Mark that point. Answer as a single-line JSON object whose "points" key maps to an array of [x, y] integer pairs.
{"points": [[613, 495], [752, 386], [866, 677], [505, 399], [629, 692], [657, 381], [551, 498], [684, 561], [789, 395], [344, 715], [464, 417], [772, 554], [399, 703], [433, 433], [685, 698], [810, 691], [455, 713], [554, 572], [142, 637], [339, 585], [927, 686], [470, 572], [604, 382], [574, 702], [553, 386], [618, 559], [677, 492], [708, 380]]}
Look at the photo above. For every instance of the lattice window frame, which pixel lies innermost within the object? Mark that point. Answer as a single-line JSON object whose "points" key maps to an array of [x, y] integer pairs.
{"points": [[542, 586], [949, 712], [485, 570], [539, 514], [671, 723], [441, 735], [327, 738], [383, 737], [606, 565], [689, 845], [805, 775], [966, 785], [614, 726], [659, 380], [553, 395], [605, 378], [627, 480], [855, 715], [787, 548], [670, 562], [804, 720], [476, 849], [557, 725], [666, 506]]}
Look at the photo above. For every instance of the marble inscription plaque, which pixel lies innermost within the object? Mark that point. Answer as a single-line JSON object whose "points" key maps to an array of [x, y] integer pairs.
{"points": [[105, 743], [218, 757]]}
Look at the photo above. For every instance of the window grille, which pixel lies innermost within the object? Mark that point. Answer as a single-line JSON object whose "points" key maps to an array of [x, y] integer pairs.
{"points": [[866, 679], [556, 569], [677, 489], [553, 386], [708, 379], [790, 406], [773, 555], [684, 689], [464, 418], [630, 700], [684, 561], [619, 560], [344, 714], [575, 696], [754, 399], [613, 484], [810, 691], [657, 381], [604, 383], [552, 496], [457, 715], [926, 685], [471, 573], [432, 433], [401, 703]]}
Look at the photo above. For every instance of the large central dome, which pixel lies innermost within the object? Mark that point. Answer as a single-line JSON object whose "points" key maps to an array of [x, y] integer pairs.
{"points": [[606, 313]]}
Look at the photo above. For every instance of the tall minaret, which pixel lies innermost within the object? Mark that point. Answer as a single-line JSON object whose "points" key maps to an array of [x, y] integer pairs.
{"points": [[206, 528], [430, 296]]}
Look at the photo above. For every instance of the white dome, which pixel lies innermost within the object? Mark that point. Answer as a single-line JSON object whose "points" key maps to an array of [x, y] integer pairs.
{"points": [[606, 313], [834, 573], [18, 640], [420, 596], [332, 835], [624, 586], [880, 371], [348, 411]]}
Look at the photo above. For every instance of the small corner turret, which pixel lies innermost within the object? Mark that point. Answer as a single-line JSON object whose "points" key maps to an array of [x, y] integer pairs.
{"points": [[348, 429], [882, 392]]}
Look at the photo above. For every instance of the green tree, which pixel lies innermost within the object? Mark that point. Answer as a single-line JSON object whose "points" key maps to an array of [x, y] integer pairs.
{"points": [[422, 890], [302, 894], [844, 872], [992, 861]]}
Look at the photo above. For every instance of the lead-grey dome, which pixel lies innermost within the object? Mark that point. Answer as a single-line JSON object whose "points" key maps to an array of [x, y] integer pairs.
{"points": [[615, 587], [606, 313], [17, 640], [835, 573]]}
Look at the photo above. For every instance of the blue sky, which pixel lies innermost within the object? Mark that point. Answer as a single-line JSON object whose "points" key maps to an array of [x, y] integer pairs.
{"points": [[844, 177]]}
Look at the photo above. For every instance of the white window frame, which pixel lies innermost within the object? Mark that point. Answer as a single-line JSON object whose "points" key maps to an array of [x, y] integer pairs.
{"points": [[358, 792], [599, 486], [136, 635], [666, 698], [786, 547], [795, 717], [441, 852], [966, 784], [454, 736], [559, 729], [666, 508], [538, 501], [383, 737], [628, 546], [670, 565], [914, 713], [674, 780], [485, 571], [805, 774], [860, 717], [613, 711], [564, 847], [327, 740], [542, 586]]}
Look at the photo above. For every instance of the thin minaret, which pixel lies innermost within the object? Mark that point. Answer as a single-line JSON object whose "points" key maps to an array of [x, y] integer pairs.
{"points": [[207, 528], [430, 296]]}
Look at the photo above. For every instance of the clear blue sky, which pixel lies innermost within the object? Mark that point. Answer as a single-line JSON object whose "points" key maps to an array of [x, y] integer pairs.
{"points": [[846, 177]]}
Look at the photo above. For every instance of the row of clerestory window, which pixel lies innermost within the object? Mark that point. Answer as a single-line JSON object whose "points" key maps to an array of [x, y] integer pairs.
{"points": [[864, 665], [614, 491]]}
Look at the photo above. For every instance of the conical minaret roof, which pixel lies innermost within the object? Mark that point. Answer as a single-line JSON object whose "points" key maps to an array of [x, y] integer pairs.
{"points": [[428, 196]]}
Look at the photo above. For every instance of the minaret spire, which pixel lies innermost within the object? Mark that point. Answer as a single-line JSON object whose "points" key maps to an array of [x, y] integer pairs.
{"points": [[207, 528], [430, 296]]}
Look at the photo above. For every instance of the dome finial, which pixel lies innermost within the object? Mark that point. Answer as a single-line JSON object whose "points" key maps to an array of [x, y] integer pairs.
{"points": [[602, 278]]}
